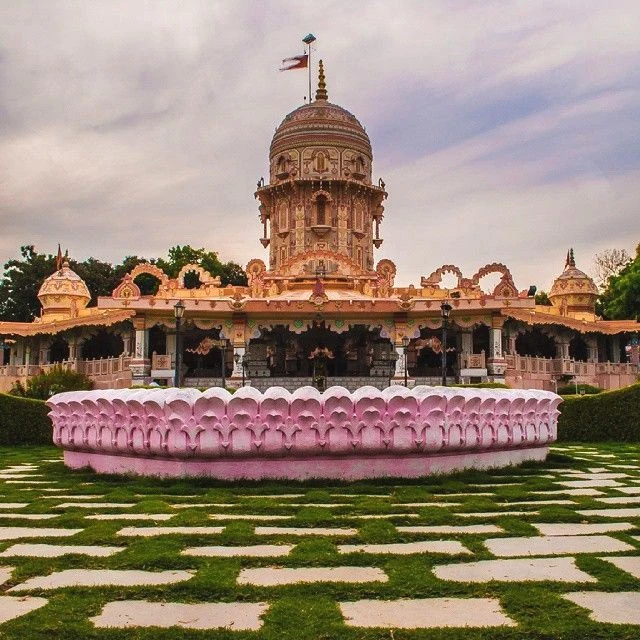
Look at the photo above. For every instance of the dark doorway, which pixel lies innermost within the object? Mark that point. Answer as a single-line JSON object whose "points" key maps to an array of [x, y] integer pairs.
{"points": [[535, 343]]}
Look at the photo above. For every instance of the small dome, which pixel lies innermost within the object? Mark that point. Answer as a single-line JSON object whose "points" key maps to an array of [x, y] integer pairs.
{"points": [[320, 123], [64, 292], [573, 289]]}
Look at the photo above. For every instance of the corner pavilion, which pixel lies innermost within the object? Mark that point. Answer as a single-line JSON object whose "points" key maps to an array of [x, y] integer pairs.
{"points": [[322, 294]]}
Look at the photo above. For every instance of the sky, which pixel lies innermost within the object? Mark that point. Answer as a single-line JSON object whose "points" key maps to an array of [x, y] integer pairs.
{"points": [[505, 130]]}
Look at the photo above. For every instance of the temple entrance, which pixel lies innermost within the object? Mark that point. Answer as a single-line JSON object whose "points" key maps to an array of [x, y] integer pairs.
{"points": [[357, 352], [424, 355], [203, 353]]}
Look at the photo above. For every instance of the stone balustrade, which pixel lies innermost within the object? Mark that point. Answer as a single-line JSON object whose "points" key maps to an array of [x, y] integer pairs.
{"points": [[367, 433]]}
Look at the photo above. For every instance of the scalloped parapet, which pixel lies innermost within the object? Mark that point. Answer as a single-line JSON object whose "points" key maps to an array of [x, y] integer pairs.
{"points": [[305, 434]]}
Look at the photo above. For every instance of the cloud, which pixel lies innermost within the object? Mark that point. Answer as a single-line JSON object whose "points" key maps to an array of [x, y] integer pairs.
{"points": [[505, 131]]}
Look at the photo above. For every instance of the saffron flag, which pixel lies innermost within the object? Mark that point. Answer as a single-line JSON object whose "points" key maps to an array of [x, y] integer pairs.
{"points": [[297, 62]]}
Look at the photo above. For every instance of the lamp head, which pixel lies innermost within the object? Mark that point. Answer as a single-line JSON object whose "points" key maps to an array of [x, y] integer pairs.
{"points": [[445, 309], [178, 309], [405, 341]]}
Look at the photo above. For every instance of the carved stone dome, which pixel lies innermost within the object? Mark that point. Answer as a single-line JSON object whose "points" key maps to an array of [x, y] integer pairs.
{"points": [[573, 290], [64, 292], [323, 129], [320, 123]]}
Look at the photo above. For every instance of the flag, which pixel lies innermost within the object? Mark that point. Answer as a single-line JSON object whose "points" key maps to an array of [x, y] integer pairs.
{"points": [[297, 62], [59, 259]]}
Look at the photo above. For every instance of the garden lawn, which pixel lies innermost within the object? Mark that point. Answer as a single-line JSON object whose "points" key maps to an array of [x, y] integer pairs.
{"points": [[377, 556]]}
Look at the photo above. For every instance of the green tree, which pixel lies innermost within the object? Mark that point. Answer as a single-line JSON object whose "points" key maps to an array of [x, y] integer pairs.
{"points": [[21, 282], [621, 298], [543, 299]]}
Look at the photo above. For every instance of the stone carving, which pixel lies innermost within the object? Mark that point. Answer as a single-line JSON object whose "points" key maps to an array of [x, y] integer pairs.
{"points": [[282, 433]]}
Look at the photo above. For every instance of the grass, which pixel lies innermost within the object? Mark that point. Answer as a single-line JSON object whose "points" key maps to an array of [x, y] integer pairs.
{"points": [[310, 611]]}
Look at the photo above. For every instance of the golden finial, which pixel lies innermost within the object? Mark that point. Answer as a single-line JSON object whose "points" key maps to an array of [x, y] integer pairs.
{"points": [[321, 92]]}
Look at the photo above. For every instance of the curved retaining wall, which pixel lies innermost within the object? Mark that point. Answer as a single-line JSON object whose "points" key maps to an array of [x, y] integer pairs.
{"points": [[306, 434]]}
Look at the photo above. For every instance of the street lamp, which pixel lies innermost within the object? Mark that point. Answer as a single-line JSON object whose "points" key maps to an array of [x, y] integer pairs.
{"points": [[445, 310], [178, 312], [405, 348], [223, 347]]}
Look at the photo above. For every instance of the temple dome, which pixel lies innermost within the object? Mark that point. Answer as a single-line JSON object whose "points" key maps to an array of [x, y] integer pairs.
{"points": [[573, 290], [63, 293], [320, 123]]}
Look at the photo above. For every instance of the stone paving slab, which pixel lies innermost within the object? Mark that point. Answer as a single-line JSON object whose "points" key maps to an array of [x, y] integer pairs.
{"points": [[68, 497], [426, 504], [554, 545], [13, 505], [276, 576], [29, 516], [102, 577], [464, 495], [519, 570], [453, 529], [612, 608], [12, 607], [449, 547], [238, 616], [630, 564], [13, 533], [630, 491], [612, 513], [588, 484], [304, 531], [30, 482], [536, 503], [95, 505], [581, 528], [253, 551], [5, 574], [381, 516], [202, 505], [131, 516], [147, 532], [620, 500], [246, 516], [56, 551], [496, 514], [425, 614]]}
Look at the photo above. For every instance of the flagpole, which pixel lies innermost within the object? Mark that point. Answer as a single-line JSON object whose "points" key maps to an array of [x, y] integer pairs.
{"points": [[309, 39]]}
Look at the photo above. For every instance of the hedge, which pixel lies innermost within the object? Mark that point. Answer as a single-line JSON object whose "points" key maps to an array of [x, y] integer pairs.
{"points": [[610, 415], [24, 421]]}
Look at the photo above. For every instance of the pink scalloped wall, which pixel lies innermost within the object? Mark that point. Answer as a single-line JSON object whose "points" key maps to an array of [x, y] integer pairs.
{"points": [[306, 434]]}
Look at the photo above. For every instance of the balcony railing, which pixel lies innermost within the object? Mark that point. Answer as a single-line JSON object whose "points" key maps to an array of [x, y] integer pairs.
{"points": [[567, 366], [92, 368], [473, 360]]}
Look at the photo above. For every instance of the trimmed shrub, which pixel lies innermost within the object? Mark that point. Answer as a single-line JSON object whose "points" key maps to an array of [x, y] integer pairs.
{"points": [[583, 389], [24, 421], [610, 415], [43, 385]]}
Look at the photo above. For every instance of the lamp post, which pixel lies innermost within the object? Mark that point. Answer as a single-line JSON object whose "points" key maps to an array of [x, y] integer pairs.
{"points": [[223, 347], [405, 348], [178, 312], [445, 310]]}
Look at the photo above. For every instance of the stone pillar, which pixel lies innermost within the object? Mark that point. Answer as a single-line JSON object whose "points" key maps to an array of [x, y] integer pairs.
{"points": [[496, 364], [126, 343], [140, 363], [171, 348], [615, 348], [466, 342], [27, 354], [44, 353], [400, 363], [592, 346], [562, 348]]}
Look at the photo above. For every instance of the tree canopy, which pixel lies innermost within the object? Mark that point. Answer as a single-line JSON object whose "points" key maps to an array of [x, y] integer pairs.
{"points": [[621, 298], [24, 276]]}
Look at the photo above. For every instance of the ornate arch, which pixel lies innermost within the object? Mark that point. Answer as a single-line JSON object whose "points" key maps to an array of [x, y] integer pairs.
{"points": [[505, 288], [127, 289], [205, 276], [151, 269], [435, 278]]}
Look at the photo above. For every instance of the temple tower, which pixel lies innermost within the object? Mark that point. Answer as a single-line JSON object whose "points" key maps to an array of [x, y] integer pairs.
{"points": [[320, 198]]}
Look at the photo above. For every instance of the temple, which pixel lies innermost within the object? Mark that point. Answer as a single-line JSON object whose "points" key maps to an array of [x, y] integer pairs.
{"points": [[322, 310]]}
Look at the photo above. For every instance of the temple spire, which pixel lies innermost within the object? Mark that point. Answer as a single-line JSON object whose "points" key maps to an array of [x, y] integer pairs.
{"points": [[321, 92], [571, 261]]}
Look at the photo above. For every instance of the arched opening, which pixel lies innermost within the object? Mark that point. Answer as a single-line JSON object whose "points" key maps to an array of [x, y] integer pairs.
{"points": [[59, 350], [359, 217], [102, 344], [480, 339], [424, 355], [535, 343], [578, 349], [147, 283], [204, 351], [191, 280], [321, 210], [320, 162]]}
